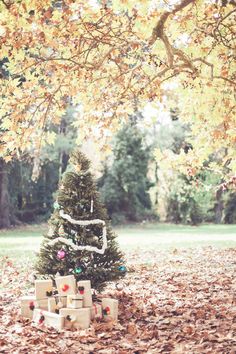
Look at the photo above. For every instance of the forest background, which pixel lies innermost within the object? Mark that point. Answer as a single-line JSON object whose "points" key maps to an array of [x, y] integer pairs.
{"points": [[153, 81], [134, 185]]}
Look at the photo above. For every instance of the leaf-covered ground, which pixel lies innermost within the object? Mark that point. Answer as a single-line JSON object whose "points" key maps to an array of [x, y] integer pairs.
{"points": [[181, 301]]}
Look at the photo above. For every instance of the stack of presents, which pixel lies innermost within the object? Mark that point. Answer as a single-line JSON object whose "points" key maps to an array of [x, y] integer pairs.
{"points": [[70, 306]]}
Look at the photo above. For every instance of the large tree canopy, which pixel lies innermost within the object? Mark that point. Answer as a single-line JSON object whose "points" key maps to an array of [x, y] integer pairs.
{"points": [[113, 57]]}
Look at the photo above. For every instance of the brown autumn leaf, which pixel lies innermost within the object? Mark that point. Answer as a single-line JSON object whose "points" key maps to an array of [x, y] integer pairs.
{"points": [[169, 304]]}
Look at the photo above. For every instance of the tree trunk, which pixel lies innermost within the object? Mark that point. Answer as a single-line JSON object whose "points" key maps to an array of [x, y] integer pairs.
{"points": [[156, 182], [4, 197], [219, 207]]}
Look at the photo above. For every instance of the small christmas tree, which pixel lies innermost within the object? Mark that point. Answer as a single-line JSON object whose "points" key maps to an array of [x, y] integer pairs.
{"points": [[80, 240]]}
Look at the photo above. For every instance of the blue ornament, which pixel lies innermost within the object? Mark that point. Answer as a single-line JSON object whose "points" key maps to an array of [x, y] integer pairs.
{"points": [[56, 205], [122, 269], [78, 270]]}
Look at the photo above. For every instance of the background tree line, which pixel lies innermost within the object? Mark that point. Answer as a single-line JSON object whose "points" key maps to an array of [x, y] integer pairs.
{"points": [[133, 186]]}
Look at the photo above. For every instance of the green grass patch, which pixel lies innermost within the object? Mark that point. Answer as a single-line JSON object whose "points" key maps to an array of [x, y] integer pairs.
{"points": [[22, 243], [176, 229]]}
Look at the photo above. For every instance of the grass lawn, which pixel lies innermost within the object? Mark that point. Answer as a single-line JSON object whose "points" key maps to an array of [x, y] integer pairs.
{"points": [[23, 242]]}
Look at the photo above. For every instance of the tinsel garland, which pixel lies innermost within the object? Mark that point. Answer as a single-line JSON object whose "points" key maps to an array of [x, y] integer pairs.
{"points": [[82, 223]]}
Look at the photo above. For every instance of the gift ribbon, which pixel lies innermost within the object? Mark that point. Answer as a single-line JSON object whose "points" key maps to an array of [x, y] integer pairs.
{"points": [[42, 318], [106, 311], [81, 290], [31, 305], [82, 223], [65, 287]]}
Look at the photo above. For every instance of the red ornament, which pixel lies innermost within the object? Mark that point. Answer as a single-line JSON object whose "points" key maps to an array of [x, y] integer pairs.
{"points": [[65, 287], [61, 254]]}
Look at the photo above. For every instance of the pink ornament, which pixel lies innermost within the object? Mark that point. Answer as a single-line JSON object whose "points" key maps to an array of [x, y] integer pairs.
{"points": [[61, 254]]}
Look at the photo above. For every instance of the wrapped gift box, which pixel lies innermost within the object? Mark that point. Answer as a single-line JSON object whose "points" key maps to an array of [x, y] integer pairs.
{"points": [[52, 305], [48, 319], [66, 285], [61, 301], [110, 308], [56, 303], [96, 311], [29, 303], [75, 301], [84, 288], [77, 318], [43, 289]]}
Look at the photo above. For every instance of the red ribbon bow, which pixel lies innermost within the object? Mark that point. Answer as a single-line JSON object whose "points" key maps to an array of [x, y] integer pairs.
{"points": [[65, 287], [31, 305]]}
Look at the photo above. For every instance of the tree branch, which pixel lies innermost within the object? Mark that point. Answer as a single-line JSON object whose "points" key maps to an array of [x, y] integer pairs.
{"points": [[158, 30], [6, 5]]}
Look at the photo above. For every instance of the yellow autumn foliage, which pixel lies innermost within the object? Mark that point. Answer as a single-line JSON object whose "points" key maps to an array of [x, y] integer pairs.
{"points": [[114, 57]]}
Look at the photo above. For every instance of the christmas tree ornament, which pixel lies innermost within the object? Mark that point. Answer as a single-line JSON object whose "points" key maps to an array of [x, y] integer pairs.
{"points": [[122, 269], [61, 254], [78, 270]]}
